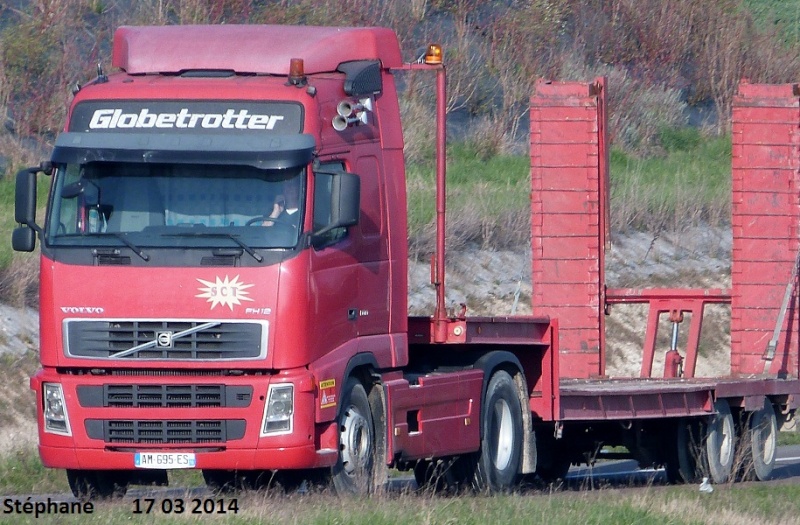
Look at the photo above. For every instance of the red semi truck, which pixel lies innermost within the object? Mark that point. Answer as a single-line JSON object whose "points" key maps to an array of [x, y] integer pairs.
{"points": [[224, 285]]}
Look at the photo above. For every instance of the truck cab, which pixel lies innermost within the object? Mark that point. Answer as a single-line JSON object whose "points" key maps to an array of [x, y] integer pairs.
{"points": [[221, 241]]}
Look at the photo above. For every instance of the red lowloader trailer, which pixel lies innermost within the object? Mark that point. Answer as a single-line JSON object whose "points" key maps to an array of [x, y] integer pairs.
{"points": [[719, 427], [224, 283]]}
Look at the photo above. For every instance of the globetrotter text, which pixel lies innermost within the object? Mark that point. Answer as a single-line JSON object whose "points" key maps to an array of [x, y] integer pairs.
{"points": [[183, 119]]}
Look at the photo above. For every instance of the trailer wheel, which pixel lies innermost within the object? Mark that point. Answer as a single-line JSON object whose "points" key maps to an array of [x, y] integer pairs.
{"points": [[684, 451], [721, 443], [91, 484], [497, 465], [552, 461], [762, 432], [353, 472]]}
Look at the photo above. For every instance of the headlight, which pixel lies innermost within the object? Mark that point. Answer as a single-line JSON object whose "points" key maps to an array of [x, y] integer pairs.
{"points": [[56, 420], [279, 410]]}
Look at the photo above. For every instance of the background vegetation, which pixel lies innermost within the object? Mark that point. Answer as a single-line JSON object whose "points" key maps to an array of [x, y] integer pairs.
{"points": [[673, 68]]}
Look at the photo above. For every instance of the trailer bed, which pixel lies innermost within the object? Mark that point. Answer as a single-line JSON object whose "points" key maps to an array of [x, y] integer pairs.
{"points": [[646, 398]]}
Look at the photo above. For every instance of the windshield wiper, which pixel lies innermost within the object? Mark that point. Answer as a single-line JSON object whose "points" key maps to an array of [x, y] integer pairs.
{"points": [[124, 240], [210, 235]]}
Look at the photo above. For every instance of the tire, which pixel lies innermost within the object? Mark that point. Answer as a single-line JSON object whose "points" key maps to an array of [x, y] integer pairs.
{"points": [[552, 462], [228, 481], [451, 475], [354, 470], [684, 452], [300, 481], [498, 460], [721, 443], [97, 484], [428, 475], [555, 472], [763, 441]]}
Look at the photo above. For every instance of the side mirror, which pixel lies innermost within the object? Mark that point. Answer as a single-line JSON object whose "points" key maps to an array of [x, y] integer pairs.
{"points": [[25, 203], [345, 200], [23, 239], [337, 202]]}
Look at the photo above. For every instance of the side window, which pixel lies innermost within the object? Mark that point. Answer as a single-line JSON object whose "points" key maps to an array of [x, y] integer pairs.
{"points": [[323, 183], [65, 211]]}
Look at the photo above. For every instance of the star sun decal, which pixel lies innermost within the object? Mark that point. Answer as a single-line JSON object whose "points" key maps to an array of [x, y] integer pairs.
{"points": [[227, 292]]}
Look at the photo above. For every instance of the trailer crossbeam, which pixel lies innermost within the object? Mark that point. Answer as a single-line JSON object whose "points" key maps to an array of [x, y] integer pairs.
{"points": [[673, 301]]}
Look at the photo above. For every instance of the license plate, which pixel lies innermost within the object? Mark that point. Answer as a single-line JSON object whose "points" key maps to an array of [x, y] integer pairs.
{"points": [[163, 460]]}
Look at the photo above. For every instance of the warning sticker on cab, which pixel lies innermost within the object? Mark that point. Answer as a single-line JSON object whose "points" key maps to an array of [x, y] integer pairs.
{"points": [[327, 393]]}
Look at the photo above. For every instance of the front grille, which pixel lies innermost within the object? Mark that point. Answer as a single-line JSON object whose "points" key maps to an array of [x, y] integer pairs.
{"points": [[165, 396], [165, 431], [165, 339]]}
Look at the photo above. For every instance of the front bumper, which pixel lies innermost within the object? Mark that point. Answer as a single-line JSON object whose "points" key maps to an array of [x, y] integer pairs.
{"points": [[95, 444]]}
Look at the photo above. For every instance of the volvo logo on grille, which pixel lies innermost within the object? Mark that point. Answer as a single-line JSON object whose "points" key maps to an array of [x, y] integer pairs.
{"points": [[164, 339]]}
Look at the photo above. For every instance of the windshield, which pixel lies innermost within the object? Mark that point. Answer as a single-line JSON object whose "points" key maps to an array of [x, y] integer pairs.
{"points": [[175, 205]]}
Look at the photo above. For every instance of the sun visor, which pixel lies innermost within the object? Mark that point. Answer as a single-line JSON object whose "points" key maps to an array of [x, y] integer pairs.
{"points": [[263, 152]]}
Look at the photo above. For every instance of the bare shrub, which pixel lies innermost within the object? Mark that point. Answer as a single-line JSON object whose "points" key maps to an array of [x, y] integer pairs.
{"points": [[522, 45], [318, 12], [478, 216], [637, 110], [702, 48], [18, 153], [722, 55], [487, 136], [19, 281], [161, 12], [417, 114], [29, 55], [44, 51]]}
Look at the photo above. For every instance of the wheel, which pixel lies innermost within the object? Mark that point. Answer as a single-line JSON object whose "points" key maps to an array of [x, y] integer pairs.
{"points": [[425, 474], [91, 484], [721, 443], [429, 475], [497, 465], [554, 471], [300, 481], [762, 433], [684, 451], [552, 462], [220, 480], [452, 475], [353, 472]]}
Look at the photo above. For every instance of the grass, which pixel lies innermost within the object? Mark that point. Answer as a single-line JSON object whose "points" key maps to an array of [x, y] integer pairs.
{"points": [[782, 15], [688, 186], [488, 200], [788, 438], [22, 472]]}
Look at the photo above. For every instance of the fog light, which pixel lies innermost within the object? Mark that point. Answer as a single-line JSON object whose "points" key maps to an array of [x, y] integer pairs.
{"points": [[56, 420], [278, 411]]}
